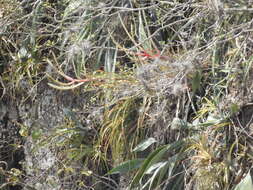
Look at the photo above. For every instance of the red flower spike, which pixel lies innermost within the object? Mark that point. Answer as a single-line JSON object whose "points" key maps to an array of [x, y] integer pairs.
{"points": [[151, 54]]}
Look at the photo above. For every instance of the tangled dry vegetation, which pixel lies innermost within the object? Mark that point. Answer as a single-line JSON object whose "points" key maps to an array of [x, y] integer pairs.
{"points": [[164, 91]]}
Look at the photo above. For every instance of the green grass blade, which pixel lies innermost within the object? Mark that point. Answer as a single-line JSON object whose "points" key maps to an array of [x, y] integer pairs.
{"points": [[144, 144], [126, 166]]}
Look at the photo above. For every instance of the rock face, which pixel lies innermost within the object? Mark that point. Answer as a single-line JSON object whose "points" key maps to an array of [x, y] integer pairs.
{"points": [[46, 114], [35, 118], [40, 116], [10, 156]]}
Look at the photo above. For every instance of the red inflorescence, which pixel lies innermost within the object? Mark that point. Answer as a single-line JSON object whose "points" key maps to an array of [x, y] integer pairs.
{"points": [[152, 55]]}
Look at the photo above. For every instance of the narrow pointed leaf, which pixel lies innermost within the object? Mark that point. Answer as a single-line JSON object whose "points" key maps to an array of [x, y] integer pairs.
{"points": [[65, 87], [126, 166], [144, 145]]}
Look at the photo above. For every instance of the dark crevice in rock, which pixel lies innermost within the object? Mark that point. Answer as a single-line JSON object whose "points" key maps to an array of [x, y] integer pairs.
{"points": [[11, 151]]}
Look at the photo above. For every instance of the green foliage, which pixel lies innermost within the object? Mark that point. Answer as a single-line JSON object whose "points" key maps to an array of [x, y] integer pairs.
{"points": [[172, 79], [196, 81], [144, 145], [119, 128], [127, 166], [158, 166]]}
